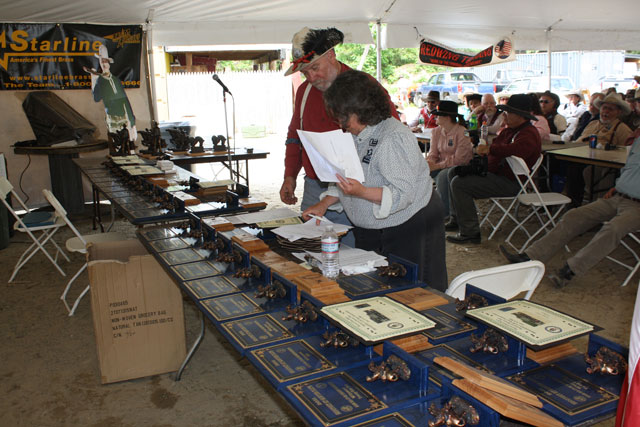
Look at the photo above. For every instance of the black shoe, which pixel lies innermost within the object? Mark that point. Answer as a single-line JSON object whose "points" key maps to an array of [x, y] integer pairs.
{"points": [[562, 277], [451, 225], [513, 258], [461, 238]]}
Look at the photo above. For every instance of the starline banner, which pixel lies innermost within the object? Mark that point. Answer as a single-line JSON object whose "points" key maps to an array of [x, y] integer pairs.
{"points": [[54, 56], [438, 54]]}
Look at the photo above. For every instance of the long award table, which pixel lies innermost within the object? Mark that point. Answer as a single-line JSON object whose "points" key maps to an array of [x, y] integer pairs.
{"points": [[239, 155], [331, 378], [66, 181]]}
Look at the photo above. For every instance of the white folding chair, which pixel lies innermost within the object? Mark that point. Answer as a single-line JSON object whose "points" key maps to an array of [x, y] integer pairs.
{"points": [[39, 226], [634, 268], [77, 244], [506, 281], [538, 202], [501, 204]]}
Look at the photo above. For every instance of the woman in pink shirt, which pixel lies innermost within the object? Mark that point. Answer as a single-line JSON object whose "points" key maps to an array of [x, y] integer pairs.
{"points": [[541, 124], [449, 148]]}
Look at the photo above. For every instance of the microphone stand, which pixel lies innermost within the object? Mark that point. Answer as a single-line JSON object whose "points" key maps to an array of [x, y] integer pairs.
{"points": [[226, 124]]}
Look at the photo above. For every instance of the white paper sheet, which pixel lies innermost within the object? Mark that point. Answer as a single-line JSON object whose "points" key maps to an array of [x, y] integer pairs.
{"points": [[353, 260], [332, 153], [308, 230], [269, 215]]}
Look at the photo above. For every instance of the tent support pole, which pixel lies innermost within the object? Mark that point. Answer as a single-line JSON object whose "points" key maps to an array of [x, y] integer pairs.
{"points": [[378, 51]]}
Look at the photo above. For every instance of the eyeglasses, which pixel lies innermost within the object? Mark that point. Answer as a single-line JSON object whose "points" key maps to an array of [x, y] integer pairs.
{"points": [[544, 101]]}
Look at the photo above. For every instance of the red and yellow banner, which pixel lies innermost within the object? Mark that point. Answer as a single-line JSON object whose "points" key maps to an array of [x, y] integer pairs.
{"points": [[52, 56], [438, 54]]}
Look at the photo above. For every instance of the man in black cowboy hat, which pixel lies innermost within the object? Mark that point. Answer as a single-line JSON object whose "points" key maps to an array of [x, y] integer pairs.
{"points": [[314, 56], [521, 139]]}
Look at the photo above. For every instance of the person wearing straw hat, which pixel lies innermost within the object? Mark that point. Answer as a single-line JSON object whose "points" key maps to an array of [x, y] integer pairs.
{"points": [[107, 88], [313, 56], [449, 147], [572, 111], [609, 128], [520, 138]]}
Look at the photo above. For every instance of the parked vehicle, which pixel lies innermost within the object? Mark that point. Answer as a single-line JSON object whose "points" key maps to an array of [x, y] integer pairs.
{"points": [[622, 84], [451, 86], [560, 85], [504, 77]]}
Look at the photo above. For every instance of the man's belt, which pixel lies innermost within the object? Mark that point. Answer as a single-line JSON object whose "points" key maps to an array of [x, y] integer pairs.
{"points": [[629, 197]]}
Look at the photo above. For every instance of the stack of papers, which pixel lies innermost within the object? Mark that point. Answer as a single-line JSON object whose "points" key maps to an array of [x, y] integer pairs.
{"points": [[352, 260], [270, 215], [308, 230], [332, 153]]}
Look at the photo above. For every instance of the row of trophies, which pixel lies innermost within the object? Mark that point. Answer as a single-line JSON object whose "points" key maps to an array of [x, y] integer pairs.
{"points": [[121, 145]]}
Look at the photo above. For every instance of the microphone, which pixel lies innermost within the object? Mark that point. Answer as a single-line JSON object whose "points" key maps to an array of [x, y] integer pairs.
{"points": [[224, 87]]}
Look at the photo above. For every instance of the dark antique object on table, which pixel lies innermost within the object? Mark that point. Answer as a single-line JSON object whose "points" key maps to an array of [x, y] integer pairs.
{"points": [[272, 291], [152, 139], [338, 339], [605, 362], [119, 142], [491, 342], [196, 145], [302, 313], [456, 412], [180, 139], [392, 369], [219, 143], [470, 302], [395, 269]]}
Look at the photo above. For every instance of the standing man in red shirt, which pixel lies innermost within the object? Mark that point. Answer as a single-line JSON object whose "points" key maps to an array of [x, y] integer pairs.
{"points": [[315, 58]]}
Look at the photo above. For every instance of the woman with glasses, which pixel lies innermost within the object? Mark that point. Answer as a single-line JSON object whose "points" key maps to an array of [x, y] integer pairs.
{"points": [[395, 210], [549, 103]]}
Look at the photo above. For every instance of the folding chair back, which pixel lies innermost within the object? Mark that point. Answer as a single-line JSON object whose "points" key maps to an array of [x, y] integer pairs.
{"points": [[39, 228], [500, 203], [506, 281], [77, 244], [538, 202]]}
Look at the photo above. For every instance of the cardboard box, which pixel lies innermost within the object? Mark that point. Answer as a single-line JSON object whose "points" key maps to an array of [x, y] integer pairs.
{"points": [[137, 312]]}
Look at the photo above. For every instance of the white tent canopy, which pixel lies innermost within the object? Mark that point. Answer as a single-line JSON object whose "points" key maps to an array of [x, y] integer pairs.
{"points": [[588, 24]]}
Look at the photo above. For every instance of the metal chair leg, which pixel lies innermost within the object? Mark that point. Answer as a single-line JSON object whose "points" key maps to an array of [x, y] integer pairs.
{"points": [[194, 347], [63, 297]]}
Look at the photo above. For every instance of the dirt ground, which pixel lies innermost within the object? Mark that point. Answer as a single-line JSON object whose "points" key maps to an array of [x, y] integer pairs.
{"points": [[49, 367]]}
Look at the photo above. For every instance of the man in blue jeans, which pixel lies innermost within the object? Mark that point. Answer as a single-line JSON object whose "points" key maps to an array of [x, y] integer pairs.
{"points": [[618, 212]]}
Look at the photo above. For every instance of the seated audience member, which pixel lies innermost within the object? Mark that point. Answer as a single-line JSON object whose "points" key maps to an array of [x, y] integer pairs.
{"points": [[520, 138], [428, 118], [449, 147], [592, 113], [549, 103], [633, 119], [572, 111], [397, 211], [503, 98], [618, 212], [609, 128], [489, 114], [473, 101], [636, 132], [541, 123]]}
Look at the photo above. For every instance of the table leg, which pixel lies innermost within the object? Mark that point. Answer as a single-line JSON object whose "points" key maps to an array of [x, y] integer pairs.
{"points": [[193, 349]]}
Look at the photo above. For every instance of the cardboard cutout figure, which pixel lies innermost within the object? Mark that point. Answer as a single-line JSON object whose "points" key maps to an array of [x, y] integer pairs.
{"points": [[107, 88]]}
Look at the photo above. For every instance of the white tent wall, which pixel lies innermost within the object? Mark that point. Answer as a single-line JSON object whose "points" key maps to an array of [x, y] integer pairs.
{"points": [[15, 127], [262, 98], [584, 68]]}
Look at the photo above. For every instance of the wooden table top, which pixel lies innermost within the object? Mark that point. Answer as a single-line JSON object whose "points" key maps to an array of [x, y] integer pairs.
{"points": [[584, 154]]}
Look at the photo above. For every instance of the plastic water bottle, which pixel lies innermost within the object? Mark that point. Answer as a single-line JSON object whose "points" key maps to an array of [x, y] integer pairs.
{"points": [[484, 133], [421, 122], [330, 253]]}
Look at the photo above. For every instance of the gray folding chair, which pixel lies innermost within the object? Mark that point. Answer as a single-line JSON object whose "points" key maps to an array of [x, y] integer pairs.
{"points": [[39, 226]]}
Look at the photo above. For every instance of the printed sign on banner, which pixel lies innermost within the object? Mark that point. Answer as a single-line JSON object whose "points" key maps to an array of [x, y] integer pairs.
{"points": [[432, 52], [52, 56]]}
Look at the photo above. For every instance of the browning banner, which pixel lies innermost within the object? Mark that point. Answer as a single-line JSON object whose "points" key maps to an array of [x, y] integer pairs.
{"points": [[438, 54], [52, 56]]}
